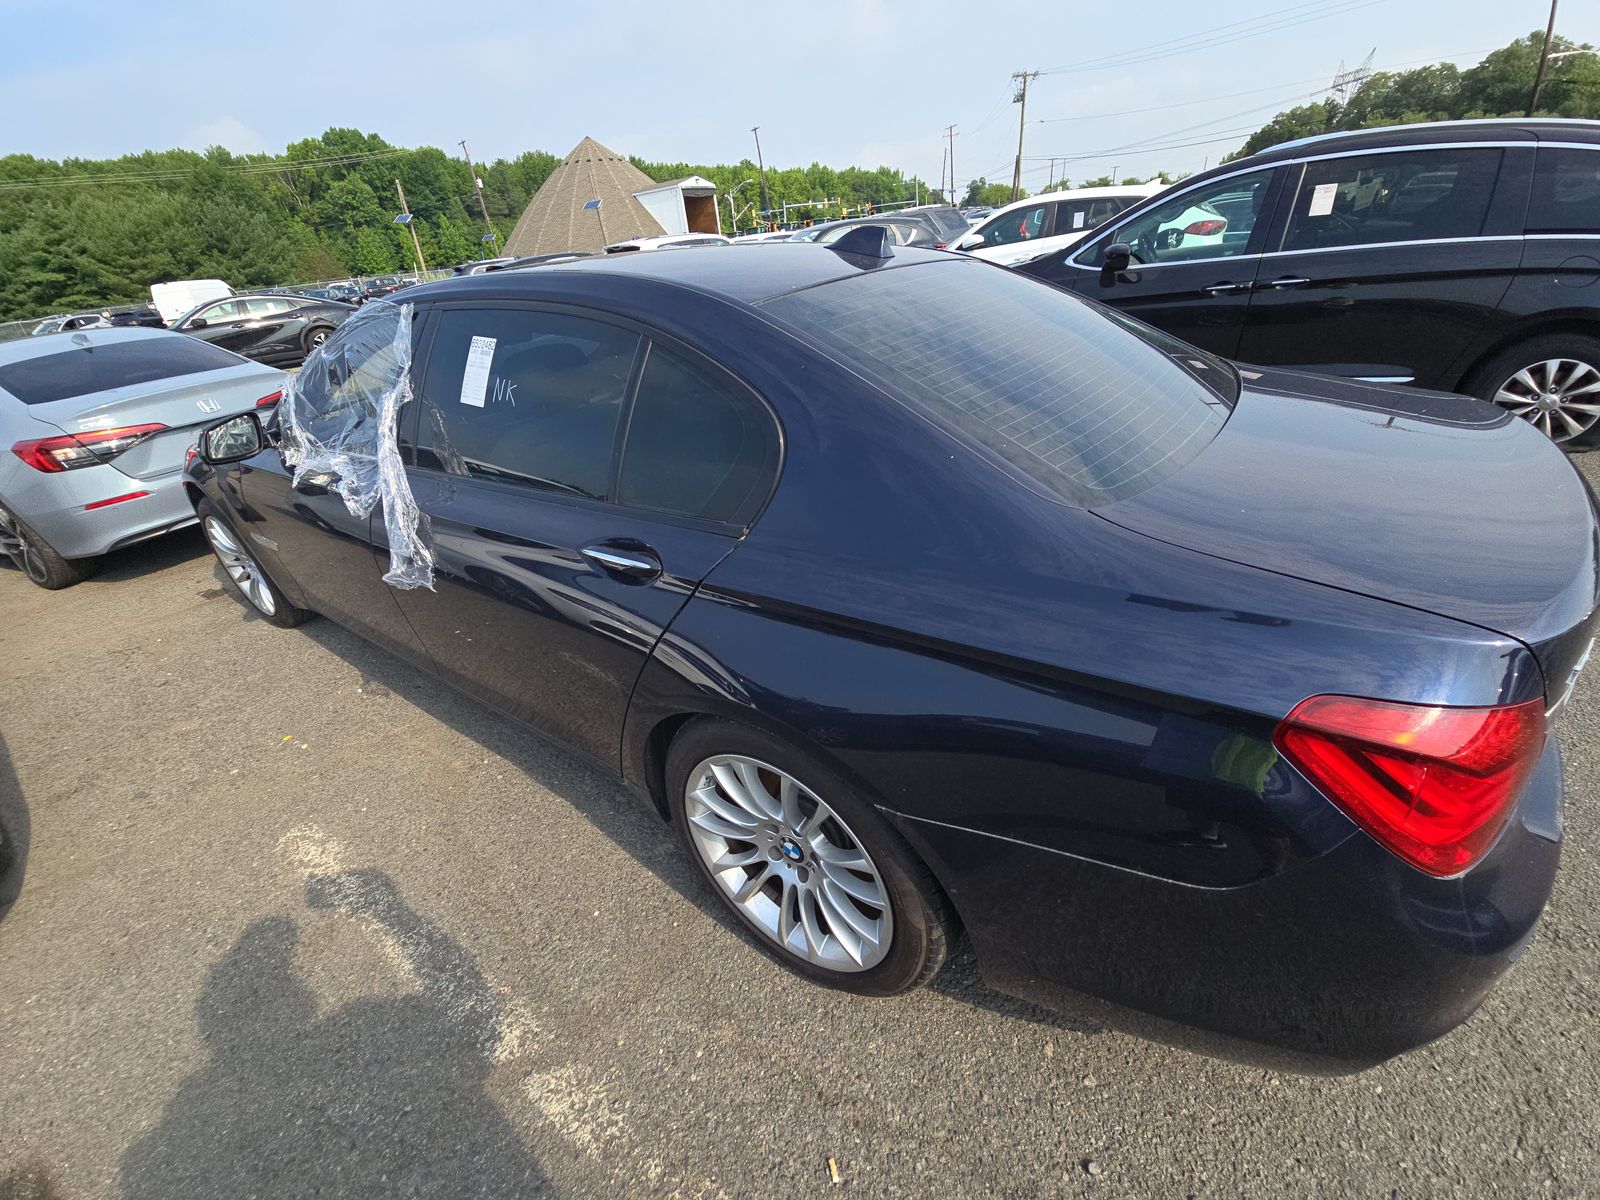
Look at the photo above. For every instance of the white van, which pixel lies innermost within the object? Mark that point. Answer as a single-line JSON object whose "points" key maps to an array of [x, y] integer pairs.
{"points": [[174, 299], [1025, 229]]}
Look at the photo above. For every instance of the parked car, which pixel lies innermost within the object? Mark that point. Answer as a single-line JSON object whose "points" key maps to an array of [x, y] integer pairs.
{"points": [[346, 292], [944, 219], [1453, 255], [913, 593], [1051, 221], [903, 231], [69, 323], [145, 316], [671, 241], [280, 330], [94, 427], [479, 266]]}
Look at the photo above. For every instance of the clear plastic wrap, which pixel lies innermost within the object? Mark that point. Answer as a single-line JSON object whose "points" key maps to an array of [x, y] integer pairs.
{"points": [[339, 417]]}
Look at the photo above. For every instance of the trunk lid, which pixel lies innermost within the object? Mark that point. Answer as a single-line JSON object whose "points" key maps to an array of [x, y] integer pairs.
{"points": [[185, 404], [1439, 502]]}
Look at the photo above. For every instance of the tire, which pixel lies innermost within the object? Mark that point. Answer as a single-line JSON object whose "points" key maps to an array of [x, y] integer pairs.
{"points": [[915, 923], [1518, 379], [37, 559], [314, 337], [253, 584]]}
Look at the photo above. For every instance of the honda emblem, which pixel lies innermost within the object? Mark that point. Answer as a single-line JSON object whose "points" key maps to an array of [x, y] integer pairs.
{"points": [[208, 405]]}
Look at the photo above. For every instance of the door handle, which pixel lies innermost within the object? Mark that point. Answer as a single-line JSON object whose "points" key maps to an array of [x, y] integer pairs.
{"points": [[630, 564], [1288, 281], [239, 325], [1222, 289]]}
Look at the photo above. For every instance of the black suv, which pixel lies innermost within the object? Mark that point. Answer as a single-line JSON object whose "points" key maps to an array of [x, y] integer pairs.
{"points": [[1458, 255]]}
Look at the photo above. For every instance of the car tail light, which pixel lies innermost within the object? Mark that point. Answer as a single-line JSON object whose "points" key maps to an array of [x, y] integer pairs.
{"points": [[73, 450], [1206, 228], [1434, 785], [189, 455], [941, 245], [269, 401]]}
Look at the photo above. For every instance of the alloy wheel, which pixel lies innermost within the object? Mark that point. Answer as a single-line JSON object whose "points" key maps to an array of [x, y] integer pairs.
{"points": [[789, 863], [15, 544], [1559, 395], [241, 568]]}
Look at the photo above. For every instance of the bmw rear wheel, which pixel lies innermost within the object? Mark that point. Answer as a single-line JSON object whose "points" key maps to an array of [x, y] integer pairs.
{"points": [[245, 572], [820, 878], [1552, 381]]}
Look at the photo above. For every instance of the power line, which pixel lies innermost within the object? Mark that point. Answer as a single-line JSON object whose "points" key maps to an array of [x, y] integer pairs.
{"points": [[1216, 37]]}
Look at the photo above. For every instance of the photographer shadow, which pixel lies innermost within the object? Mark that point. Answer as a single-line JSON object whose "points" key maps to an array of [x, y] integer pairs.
{"points": [[382, 1096]]}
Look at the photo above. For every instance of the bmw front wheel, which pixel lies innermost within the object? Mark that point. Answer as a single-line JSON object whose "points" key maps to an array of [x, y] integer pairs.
{"points": [[244, 571], [822, 880]]}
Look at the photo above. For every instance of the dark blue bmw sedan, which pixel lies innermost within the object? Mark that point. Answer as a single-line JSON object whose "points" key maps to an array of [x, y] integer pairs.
{"points": [[922, 597]]}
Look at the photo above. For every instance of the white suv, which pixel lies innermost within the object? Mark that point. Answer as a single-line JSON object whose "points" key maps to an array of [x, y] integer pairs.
{"points": [[1025, 229]]}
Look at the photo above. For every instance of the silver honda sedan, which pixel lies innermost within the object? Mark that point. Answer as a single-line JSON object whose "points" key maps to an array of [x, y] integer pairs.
{"points": [[94, 427]]}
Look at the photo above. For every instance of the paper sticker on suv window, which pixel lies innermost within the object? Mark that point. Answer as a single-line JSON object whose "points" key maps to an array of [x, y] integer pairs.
{"points": [[1077, 219], [1322, 197], [475, 376]]}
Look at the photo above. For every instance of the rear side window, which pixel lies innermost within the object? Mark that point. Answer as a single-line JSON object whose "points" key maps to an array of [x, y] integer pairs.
{"points": [[104, 366], [524, 396], [1071, 400], [1566, 192], [1401, 197], [699, 445]]}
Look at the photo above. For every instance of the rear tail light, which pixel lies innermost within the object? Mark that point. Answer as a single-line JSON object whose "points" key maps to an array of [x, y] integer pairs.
{"points": [[1434, 785], [1206, 228], [269, 401], [73, 450], [941, 245]]}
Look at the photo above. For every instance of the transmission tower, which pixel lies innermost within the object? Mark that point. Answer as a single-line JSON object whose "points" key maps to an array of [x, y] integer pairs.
{"points": [[1348, 82]]}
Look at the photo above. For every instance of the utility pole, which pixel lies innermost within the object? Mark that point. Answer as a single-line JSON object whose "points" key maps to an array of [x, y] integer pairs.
{"points": [[1544, 60], [950, 134], [766, 197], [422, 267], [1022, 121], [944, 160], [477, 186]]}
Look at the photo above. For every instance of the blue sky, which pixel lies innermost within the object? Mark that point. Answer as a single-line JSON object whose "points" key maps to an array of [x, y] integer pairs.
{"points": [[849, 82]]}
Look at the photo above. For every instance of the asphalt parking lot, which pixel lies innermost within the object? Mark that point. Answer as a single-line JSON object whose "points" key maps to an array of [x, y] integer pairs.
{"points": [[297, 922]]}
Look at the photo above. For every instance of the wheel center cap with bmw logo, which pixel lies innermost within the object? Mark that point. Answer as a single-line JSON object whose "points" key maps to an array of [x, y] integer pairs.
{"points": [[791, 849]]}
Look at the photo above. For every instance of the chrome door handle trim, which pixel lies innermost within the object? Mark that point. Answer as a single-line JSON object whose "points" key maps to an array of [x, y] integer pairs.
{"points": [[1288, 282], [621, 561], [1220, 289]]}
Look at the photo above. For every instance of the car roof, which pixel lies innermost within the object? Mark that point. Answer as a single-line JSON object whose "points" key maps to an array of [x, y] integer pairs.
{"points": [[21, 349], [758, 272], [1517, 129], [1131, 189]]}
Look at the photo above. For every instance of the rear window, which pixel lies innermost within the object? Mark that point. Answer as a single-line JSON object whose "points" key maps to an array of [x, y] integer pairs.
{"points": [[1566, 192], [104, 366], [1087, 407]]}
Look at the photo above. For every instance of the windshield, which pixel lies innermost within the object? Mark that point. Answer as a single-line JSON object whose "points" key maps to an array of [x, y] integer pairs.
{"points": [[1090, 408], [105, 366]]}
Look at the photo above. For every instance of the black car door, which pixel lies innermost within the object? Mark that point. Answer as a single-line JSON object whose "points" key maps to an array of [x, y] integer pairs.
{"points": [[220, 323], [1195, 256], [577, 481], [308, 528], [1392, 265]]}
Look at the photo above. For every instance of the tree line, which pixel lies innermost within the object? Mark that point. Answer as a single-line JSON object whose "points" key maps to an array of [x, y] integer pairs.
{"points": [[82, 233]]}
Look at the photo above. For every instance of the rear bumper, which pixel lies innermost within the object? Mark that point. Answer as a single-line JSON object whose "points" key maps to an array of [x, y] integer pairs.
{"points": [[1336, 965], [54, 506]]}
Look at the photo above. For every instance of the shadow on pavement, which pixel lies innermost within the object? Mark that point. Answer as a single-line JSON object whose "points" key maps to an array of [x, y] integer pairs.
{"points": [[15, 833], [380, 1097], [610, 807], [146, 558]]}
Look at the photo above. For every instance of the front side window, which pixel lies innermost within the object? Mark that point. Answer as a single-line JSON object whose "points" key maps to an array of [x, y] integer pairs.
{"points": [[1405, 196], [1018, 225], [524, 396], [1083, 406], [1214, 220], [223, 310], [699, 445], [1566, 192]]}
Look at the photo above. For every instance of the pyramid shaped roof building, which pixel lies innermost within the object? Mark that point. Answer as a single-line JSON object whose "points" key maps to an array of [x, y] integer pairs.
{"points": [[563, 216]]}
